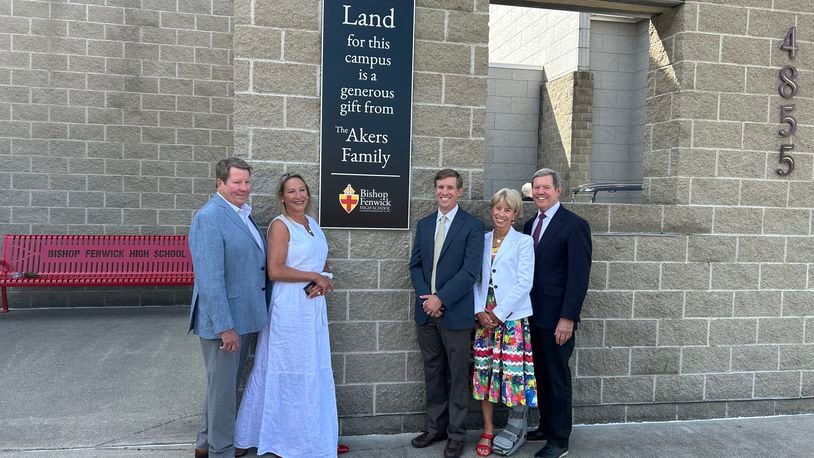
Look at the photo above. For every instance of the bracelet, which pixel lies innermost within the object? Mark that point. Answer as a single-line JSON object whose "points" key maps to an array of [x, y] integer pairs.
{"points": [[327, 275]]}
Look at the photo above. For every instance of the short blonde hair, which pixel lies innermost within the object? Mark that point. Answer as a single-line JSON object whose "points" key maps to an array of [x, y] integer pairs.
{"points": [[512, 198]]}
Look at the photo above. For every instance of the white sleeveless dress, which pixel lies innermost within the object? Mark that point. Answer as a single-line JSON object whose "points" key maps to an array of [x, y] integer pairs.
{"points": [[289, 406]]}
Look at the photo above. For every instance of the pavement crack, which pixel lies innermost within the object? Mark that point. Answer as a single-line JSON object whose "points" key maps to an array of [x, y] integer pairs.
{"points": [[149, 428]]}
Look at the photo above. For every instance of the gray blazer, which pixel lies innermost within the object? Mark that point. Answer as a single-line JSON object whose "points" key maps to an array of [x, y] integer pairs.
{"points": [[232, 289]]}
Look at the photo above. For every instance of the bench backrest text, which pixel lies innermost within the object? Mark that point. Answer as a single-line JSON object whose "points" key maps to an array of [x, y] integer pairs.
{"points": [[47, 255]]}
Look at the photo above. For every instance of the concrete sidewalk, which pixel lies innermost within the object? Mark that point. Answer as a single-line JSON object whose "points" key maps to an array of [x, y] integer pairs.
{"points": [[91, 378], [128, 382]]}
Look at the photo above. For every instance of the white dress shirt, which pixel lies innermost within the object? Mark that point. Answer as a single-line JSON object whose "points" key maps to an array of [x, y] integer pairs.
{"points": [[548, 215], [244, 212], [450, 216]]}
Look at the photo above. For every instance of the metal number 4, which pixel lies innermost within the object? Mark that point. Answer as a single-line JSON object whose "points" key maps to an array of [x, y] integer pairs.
{"points": [[790, 42]]}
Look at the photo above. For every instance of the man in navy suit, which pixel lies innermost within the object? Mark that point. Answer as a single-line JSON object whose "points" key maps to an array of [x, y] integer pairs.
{"points": [[229, 299], [562, 264], [444, 265]]}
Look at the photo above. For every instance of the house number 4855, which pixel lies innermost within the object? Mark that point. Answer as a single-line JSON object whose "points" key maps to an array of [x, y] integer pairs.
{"points": [[788, 89]]}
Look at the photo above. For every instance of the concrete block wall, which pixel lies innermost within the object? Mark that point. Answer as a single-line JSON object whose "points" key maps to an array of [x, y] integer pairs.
{"points": [[697, 308], [556, 102], [619, 62], [699, 302], [538, 37], [512, 118], [111, 117], [565, 127], [277, 95], [613, 127], [639, 118], [695, 312], [713, 106], [376, 361], [711, 320]]}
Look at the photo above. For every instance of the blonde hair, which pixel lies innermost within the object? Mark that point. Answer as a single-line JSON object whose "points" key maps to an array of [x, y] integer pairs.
{"points": [[512, 198], [281, 189]]}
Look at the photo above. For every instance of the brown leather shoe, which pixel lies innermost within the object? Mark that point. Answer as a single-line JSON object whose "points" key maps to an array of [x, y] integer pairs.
{"points": [[454, 448], [201, 453], [426, 439]]}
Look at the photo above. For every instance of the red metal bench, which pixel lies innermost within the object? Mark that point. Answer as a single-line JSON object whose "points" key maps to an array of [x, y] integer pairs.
{"points": [[94, 260]]}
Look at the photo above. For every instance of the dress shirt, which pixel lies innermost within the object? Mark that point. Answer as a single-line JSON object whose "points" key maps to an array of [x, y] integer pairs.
{"points": [[450, 216], [548, 215], [244, 213]]}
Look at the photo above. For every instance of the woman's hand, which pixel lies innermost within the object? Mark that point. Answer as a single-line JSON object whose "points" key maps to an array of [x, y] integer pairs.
{"points": [[485, 320], [494, 319], [322, 286]]}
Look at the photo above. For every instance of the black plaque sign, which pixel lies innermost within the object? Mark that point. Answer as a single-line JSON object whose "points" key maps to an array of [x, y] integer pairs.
{"points": [[367, 81]]}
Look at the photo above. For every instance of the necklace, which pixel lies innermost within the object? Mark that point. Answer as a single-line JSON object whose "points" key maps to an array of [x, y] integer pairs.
{"points": [[304, 225], [499, 240]]}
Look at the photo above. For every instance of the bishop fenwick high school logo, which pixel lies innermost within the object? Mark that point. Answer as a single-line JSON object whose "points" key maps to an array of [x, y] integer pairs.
{"points": [[367, 200], [349, 199]]}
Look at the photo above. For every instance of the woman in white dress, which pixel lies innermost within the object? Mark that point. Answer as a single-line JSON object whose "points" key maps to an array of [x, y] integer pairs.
{"points": [[289, 406]]}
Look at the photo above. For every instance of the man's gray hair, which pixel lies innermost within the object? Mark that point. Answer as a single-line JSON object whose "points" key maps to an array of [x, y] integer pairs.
{"points": [[555, 176]]}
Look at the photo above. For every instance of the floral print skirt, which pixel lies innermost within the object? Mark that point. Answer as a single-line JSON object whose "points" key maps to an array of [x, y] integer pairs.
{"points": [[504, 368]]}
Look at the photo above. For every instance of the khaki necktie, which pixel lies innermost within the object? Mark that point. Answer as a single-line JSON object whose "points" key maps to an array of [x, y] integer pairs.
{"points": [[439, 242]]}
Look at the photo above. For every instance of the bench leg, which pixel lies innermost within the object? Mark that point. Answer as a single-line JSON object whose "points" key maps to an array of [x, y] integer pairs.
{"points": [[5, 301]]}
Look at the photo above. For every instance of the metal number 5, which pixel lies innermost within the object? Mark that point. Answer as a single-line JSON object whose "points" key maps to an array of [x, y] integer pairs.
{"points": [[786, 118], [785, 159]]}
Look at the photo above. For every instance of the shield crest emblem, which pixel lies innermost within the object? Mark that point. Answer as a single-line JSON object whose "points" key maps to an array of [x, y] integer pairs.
{"points": [[349, 199]]}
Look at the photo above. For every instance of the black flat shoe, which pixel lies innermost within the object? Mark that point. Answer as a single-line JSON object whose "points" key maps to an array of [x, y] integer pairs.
{"points": [[551, 451], [426, 439], [454, 449], [536, 435]]}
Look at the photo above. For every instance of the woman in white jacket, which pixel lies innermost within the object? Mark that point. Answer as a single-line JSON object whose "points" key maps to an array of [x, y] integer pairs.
{"points": [[504, 369]]}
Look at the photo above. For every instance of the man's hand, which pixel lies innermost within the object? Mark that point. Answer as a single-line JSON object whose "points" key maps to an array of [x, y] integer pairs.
{"points": [[432, 305], [229, 341], [564, 331]]}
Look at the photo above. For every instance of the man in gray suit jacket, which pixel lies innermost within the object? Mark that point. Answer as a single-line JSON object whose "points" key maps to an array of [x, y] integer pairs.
{"points": [[229, 300], [445, 263]]}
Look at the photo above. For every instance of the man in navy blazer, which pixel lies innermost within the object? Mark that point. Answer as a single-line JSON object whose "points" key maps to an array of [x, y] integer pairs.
{"points": [[443, 275], [229, 299], [562, 265]]}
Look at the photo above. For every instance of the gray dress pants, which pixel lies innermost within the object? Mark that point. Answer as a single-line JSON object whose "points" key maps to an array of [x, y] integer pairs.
{"points": [[223, 371], [446, 364]]}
